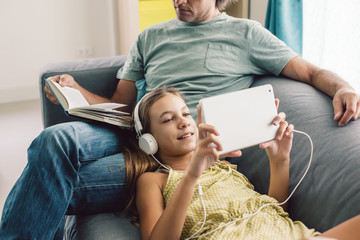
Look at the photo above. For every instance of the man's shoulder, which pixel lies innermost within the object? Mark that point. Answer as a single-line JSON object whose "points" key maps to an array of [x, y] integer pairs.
{"points": [[243, 21], [159, 26]]}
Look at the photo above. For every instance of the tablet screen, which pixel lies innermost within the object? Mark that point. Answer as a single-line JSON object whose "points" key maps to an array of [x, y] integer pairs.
{"points": [[243, 118]]}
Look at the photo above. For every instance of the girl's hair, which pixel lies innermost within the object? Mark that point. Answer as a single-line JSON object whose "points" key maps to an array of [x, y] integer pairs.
{"points": [[136, 161], [222, 4]]}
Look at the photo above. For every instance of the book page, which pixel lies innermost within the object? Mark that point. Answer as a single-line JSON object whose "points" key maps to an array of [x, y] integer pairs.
{"points": [[118, 120], [73, 96], [109, 108], [107, 105]]}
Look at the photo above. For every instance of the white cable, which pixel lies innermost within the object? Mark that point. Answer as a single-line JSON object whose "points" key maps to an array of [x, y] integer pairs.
{"points": [[200, 194], [203, 205], [268, 204], [168, 169]]}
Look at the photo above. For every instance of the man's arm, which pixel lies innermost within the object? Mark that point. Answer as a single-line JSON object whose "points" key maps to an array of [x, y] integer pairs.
{"points": [[346, 101], [125, 92]]}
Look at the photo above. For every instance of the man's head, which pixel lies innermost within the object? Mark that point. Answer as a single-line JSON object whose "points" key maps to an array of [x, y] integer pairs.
{"points": [[223, 4], [194, 11]]}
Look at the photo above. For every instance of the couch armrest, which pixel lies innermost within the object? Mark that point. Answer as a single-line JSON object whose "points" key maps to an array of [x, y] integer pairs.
{"points": [[97, 75]]}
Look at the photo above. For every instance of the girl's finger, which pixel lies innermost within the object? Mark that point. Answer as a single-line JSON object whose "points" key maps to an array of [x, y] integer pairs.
{"points": [[281, 130], [279, 118], [236, 153], [277, 103], [289, 130], [206, 129], [211, 141], [266, 144], [199, 117]]}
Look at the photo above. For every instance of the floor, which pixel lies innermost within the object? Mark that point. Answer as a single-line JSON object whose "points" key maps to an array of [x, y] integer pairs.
{"points": [[20, 123]]}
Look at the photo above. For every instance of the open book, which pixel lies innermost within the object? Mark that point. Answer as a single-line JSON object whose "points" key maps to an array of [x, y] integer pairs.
{"points": [[75, 104]]}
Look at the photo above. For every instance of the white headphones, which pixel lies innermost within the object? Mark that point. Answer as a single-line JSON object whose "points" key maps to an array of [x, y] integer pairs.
{"points": [[147, 142]]}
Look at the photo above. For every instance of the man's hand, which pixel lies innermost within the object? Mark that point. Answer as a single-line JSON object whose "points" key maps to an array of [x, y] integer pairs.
{"points": [[346, 104], [63, 80], [346, 101]]}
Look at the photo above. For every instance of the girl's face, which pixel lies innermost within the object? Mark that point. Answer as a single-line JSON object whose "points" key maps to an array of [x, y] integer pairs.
{"points": [[172, 126]]}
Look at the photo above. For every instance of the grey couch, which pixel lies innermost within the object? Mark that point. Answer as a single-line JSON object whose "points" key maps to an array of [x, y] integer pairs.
{"points": [[329, 194]]}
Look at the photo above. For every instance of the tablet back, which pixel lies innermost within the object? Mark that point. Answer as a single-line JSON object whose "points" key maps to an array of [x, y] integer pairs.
{"points": [[243, 118]]}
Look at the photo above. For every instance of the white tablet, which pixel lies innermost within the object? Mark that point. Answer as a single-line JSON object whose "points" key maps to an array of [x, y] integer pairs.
{"points": [[243, 118]]}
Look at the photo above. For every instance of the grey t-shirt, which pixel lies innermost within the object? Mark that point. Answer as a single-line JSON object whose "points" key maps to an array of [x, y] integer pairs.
{"points": [[204, 59]]}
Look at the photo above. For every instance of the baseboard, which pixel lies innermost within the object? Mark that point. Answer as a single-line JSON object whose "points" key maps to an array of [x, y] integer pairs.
{"points": [[20, 93]]}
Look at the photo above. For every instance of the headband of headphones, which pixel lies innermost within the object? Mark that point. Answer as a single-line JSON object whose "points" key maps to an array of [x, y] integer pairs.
{"points": [[147, 142], [137, 123]]}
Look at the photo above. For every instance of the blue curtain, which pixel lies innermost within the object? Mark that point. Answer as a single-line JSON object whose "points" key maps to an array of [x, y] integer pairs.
{"points": [[284, 18]]}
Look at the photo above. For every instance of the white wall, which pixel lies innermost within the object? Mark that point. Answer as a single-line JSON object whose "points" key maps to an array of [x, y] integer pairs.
{"points": [[34, 33], [129, 24], [258, 10]]}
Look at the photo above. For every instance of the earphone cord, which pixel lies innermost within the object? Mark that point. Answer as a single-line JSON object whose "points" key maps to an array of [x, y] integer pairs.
{"points": [[167, 169], [203, 205], [263, 206]]}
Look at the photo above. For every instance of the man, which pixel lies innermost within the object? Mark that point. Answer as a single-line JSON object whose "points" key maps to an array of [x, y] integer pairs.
{"points": [[202, 52]]}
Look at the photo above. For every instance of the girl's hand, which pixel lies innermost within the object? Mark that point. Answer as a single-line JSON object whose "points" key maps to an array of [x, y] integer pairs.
{"points": [[236, 153], [279, 149], [207, 147], [206, 151]]}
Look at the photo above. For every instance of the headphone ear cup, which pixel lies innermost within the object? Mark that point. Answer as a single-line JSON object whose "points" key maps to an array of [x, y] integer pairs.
{"points": [[148, 144]]}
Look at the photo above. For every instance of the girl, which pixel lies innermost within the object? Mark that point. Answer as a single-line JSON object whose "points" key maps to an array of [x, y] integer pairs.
{"points": [[194, 195]]}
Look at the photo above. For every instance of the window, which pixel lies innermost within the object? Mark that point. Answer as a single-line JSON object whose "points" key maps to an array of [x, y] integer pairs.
{"points": [[331, 37]]}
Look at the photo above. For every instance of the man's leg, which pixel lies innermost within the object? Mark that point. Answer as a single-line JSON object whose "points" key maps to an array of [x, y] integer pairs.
{"points": [[41, 196], [101, 187]]}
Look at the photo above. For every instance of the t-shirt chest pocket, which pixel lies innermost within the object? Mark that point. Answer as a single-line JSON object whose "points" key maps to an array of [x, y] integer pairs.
{"points": [[226, 59]]}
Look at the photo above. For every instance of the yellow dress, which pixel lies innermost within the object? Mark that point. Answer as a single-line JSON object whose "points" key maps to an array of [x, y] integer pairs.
{"points": [[228, 195]]}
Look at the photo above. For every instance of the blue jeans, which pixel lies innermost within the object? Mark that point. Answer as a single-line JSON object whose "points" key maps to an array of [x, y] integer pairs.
{"points": [[73, 168]]}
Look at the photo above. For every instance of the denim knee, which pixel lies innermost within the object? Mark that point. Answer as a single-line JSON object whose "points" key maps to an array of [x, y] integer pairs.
{"points": [[56, 143], [75, 142]]}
